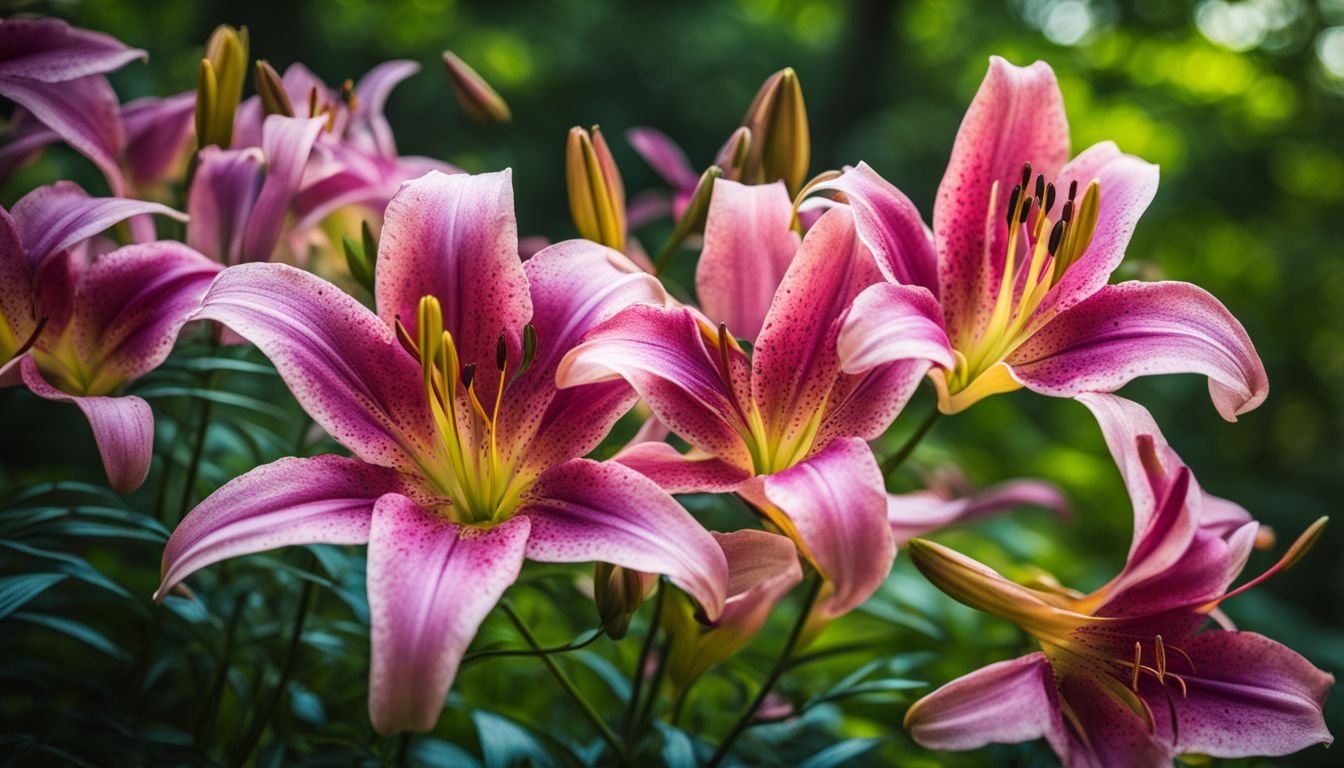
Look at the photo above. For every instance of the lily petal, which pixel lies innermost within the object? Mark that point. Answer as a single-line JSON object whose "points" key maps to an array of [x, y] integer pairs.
{"points": [[322, 500], [920, 513], [678, 473], [749, 243], [123, 427], [431, 584], [84, 112], [834, 507], [223, 196], [52, 51], [286, 143], [889, 225], [157, 135], [1017, 116], [1007, 702], [584, 511], [58, 216], [1139, 329], [371, 94], [664, 156], [341, 362], [18, 315], [890, 322]]}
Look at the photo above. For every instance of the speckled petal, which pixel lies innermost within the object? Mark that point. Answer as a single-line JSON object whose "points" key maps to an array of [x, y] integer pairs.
{"points": [[84, 112], [584, 511], [286, 143], [322, 500], [680, 473], [17, 301], [59, 216], [431, 584], [1017, 116], [1138, 329], [223, 195], [748, 246], [158, 136], [922, 512], [891, 322], [341, 362], [52, 51]]}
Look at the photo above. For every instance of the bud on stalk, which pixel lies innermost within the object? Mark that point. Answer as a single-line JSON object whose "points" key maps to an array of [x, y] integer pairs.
{"points": [[596, 194], [481, 102], [617, 593], [271, 90], [780, 144], [219, 85]]}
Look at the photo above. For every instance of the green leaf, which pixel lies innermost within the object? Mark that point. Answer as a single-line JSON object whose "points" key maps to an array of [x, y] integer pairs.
{"points": [[840, 754], [72, 565], [214, 395], [191, 610], [15, 591], [80, 631], [505, 743], [616, 681], [226, 364], [430, 751], [678, 750]]}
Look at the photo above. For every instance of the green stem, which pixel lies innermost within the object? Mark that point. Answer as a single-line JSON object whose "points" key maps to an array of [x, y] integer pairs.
{"points": [[679, 703], [602, 728], [206, 722], [260, 721], [646, 716], [637, 681], [776, 672], [895, 460], [669, 248], [472, 658], [403, 748]]}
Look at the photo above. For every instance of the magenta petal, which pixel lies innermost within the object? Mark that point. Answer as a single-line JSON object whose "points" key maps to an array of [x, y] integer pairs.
{"points": [[1141, 329], [25, 136], [749, 243], [678, 473], [889, 226], [59, 216], [431, 584], [52, 51], [890, 322], [455, 237], [84, 112], [584, 511], [835, 507], [286, 142], [158, 132], [1008, 702], [371, 97], [223, 195], [123, 427], [1114, 735], [341, 362], [322, 500], [664, 156], [1249, 696], [916, 514], [1017, 117], [18, 310]]}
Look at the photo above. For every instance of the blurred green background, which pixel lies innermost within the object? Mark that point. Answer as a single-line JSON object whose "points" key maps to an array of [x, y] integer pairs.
{"points": [[1241, 103]]}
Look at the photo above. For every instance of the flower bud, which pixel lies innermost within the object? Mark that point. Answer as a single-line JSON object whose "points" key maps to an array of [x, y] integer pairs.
{"points": [[780, 144], [481, 102], [219, 85], [732, 157], [596, 195], [618, 593], [271, 90]]}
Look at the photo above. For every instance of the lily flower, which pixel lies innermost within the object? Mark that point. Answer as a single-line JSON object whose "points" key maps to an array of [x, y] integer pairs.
{"points": [[78, 330], [1124, 675], [466, 455], [1009, 289]]}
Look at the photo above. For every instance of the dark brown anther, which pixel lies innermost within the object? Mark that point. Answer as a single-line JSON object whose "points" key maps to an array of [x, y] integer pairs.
{"points": [[1049, 197], [404, 336], [1056, 235], [1026, 174], [1073, 189], [1040, 187], [348, 93], [1012, 204], [468, 375], [1067, 213], [312, 102], [501, 352], [1026, 208]]}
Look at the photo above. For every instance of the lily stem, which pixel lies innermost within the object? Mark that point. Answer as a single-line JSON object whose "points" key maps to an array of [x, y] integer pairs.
{"points": [[403, 749], [895, 460], [646, 716], [781, 663], [637, 680], [206, 722], [603, 729], [198, 442]]}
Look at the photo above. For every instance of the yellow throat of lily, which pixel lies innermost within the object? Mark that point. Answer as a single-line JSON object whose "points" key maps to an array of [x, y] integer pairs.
{"points": [[1050, 247], [483, 483]]}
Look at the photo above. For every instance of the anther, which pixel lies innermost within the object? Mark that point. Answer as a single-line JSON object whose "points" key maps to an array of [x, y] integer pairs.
{"points": [[1040, 187], [348, 93], [1073, 189], [312, 102], [1067, 213], [1012, 204], [1026, 208], [1026, 174], [468, 375], [1161, 654], [1138, 665], [501, 352], [1056, 235], [1049, 197], [404, 336]]}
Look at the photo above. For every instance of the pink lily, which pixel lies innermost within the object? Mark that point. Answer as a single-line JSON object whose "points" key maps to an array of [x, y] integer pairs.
{"points": [[56, 72], [1009, 290], [1124, 675], [466, 455], [78, 331]]}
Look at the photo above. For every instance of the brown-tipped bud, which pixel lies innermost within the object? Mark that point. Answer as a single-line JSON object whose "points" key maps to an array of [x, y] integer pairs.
{"points": [[617, 592], [219, 85], [481, 102], [271, 90], [733, 155], [781, 146], [596, 195]]}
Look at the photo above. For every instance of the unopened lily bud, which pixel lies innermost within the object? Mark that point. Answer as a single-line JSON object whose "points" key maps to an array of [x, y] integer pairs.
{"points": [[692, 219], [271, 89], [732, 157], [618, 593], [219, 85], [781, 146], [596, 195], [481, 102]]}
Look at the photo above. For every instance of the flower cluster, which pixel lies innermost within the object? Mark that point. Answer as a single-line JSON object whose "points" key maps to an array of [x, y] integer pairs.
{"points": [[469, 378]]}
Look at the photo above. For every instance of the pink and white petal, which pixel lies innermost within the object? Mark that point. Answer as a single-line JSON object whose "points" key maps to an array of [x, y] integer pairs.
{"points": [[322, 500], [1017, 116], [865, 404], [794, 361], [664, 156], [889, 225], [1114, 735], [84, 112], [158, 132], [575, 286], [749, 243], [584, 511], [834, 507], [1203, 572], [223, 196], [368, 123], [917, 514], [341, 362], [1008, 702], [455, 237], [52, 51], [59, 216], [431, 584], [661, 352], [890, 322], [123, 428], [286, 142], [1127, 186], [1249, 696], [1141, 329], [680, 473]]}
